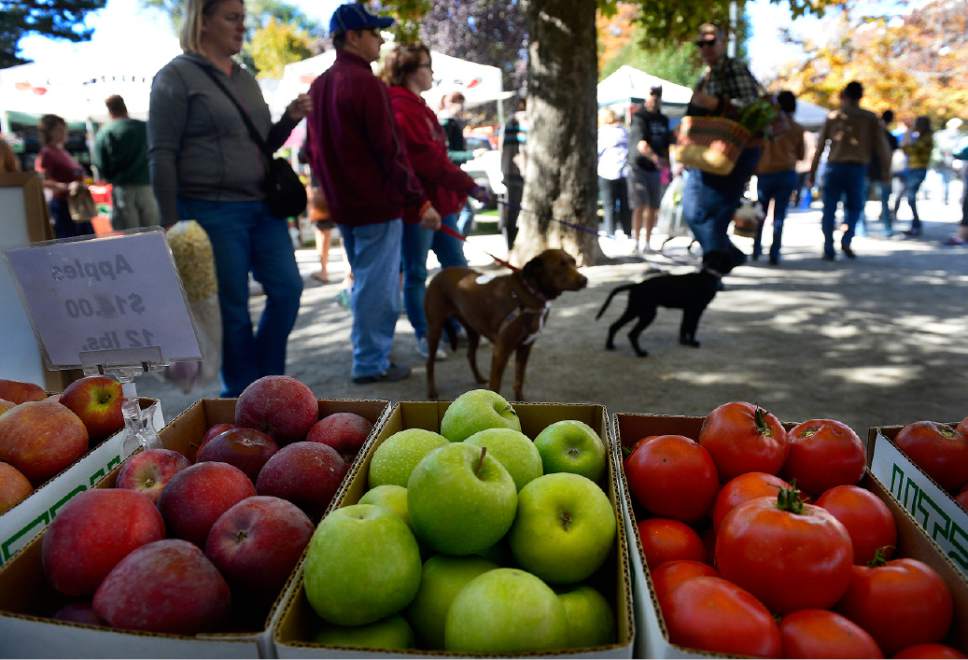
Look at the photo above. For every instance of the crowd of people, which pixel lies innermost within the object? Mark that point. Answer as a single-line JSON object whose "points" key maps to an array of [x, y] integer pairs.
{"points": [[384, 171]]}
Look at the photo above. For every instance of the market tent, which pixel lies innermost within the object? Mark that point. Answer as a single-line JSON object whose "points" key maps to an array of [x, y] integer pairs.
{"points": [[810, 115], [628, 82]]}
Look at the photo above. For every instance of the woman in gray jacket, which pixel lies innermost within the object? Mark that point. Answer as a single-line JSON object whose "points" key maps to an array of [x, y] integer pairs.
{"points": [[205, 166]]}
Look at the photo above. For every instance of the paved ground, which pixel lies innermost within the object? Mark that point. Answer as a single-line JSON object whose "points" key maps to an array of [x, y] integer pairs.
{"points": [[883, 339]]}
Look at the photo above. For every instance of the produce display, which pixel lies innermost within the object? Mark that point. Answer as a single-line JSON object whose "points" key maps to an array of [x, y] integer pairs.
{"points": [[40, 436], [473, 540], [176, 546], [940, 450], [759, 541]]}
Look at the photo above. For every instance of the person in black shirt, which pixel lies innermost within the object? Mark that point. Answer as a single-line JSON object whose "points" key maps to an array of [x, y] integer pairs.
{"points": [[649, 138]]}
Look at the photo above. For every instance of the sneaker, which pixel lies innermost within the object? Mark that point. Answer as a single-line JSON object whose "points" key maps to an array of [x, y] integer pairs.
{"points": [[424, 350], [391, 375], [343, 298], [848, 252]]}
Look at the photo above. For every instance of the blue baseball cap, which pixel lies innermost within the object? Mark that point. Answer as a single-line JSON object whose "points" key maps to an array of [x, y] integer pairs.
{"points": [[353, 16]]}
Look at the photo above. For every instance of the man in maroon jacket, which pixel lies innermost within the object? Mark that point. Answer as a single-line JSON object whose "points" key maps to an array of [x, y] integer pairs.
{"points": [[362, 167]]}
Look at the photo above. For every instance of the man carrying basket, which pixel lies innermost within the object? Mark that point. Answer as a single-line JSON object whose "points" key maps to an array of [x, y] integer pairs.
{"points": [[723, 157]]}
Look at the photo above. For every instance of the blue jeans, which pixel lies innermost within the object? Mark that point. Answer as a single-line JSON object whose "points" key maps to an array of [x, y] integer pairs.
{"points": [[614, 194], [246, 237], [709, 202], [417, 242], [886, 216], [778, 187], [842, 180], [374, 255], [912, 184]]}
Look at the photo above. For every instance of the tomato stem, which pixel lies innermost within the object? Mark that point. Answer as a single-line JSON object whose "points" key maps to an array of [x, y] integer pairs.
{"points": [[789, 499], [880, 556], [760, 418]]}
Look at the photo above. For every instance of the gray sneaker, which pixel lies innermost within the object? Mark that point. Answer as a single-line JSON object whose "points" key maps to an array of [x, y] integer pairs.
{"points": [[424, 350], [395, 373]]}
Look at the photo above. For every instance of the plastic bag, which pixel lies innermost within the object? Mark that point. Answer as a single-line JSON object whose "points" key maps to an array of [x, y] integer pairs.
{"points": [[195, 262], [670, 221]]}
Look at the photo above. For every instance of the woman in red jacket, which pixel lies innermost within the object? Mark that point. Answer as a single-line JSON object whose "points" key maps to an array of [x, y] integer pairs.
{"points": [[408, 72]]}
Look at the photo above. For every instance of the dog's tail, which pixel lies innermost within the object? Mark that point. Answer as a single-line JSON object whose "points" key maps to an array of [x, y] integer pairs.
{"points": [[618, 289]]}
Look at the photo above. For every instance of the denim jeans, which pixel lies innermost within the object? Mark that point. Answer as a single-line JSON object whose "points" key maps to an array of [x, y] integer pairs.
{"points": [[842, 181], [778, 187], [614, 194], [912, 184], [709, 202], [64, 227], [246, 237], [417, 242], [886, 216], [374, 255]]}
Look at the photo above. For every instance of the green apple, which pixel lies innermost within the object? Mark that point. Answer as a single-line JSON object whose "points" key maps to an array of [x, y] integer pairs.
{"points": [[443, 578], [391, 497], [564, 529], [589, 616], [391, 633], [461, 500], [571, 446], [504, 612], [362, 564], [475, 411], [515, 451], [398, 455]]}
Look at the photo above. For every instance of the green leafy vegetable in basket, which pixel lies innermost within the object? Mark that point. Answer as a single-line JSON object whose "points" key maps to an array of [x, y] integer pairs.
{"points": [[756, 116]]}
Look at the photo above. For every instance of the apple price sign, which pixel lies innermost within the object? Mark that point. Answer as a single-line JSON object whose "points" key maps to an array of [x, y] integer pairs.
{"points": [[115, 295]]}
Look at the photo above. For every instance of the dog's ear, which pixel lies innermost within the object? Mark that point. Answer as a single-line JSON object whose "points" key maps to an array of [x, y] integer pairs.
{"points": [[534, 269]]}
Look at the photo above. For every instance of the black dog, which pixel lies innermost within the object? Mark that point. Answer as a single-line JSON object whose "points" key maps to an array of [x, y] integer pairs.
{"points": [[691, 293]]}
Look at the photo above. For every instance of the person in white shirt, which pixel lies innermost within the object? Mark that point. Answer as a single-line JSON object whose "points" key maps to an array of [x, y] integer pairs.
{"points": [[613, 152]]}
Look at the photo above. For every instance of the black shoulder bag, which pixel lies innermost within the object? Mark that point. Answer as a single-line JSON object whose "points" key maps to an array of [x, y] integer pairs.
{"points": [[285, 193]]}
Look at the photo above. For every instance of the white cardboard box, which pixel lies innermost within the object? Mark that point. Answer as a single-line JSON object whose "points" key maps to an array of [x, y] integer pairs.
{"points": [[295, 626], [29, 518], [27, 601], [653, 638], [944, 520]]}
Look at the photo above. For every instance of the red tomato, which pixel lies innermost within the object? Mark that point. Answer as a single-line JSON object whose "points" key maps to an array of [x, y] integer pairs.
{"points": [[962, 498], [742, 489], [901, 603], [824, 634], [823, 453], [668, 540], [929, 651], [672, 477], [790, 555], [963, 427], [867, 519], [672, 574], [743, 438], [713, 614], [939, 450]]}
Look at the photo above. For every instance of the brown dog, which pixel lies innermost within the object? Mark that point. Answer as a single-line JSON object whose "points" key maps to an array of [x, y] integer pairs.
{"points": [[509, 310]]}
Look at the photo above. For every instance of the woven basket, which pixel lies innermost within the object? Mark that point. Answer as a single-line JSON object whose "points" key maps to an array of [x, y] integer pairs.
{"points": [[710, 144]]}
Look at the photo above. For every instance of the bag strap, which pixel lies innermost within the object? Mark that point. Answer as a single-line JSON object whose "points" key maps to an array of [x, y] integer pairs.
{"points": [[253, 133]]}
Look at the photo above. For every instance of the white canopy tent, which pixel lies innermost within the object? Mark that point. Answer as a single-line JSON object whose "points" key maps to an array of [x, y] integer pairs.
{"points": [[810, 115], [628, 82]]}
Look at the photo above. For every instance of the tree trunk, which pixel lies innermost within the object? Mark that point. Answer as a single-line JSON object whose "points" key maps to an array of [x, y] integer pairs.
{"points": [[561, 183]]}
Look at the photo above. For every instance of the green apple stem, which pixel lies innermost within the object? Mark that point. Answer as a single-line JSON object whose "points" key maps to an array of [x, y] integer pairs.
{"points": [[480, 461]]}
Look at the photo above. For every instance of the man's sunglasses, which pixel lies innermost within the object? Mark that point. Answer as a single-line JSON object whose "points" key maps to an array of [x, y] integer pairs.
{"points": [[706, 43]]}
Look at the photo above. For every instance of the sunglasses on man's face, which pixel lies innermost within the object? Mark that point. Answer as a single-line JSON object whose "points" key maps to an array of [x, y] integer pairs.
{"points": [[702, 43]]}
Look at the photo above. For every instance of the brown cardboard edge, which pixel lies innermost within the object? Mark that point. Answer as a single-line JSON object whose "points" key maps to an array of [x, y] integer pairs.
{"points": [[185, 418], [624, 610], [889, 433]]}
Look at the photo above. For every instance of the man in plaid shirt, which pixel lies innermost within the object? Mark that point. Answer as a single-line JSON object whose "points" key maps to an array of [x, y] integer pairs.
{"points": [[710, 200]]}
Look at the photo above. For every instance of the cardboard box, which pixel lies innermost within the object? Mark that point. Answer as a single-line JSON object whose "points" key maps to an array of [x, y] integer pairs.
{"points": [[944, 520], [26, 599], [298, 622], [21, 524], [653, 638]]}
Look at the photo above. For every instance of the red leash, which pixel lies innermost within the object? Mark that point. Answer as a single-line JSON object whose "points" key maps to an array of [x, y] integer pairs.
{"points": [[460, 237]]}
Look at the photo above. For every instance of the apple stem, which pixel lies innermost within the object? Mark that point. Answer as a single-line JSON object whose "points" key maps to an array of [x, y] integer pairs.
{"points": [[480, 461]]}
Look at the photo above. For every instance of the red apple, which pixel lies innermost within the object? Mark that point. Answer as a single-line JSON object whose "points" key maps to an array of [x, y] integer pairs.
{"points": [[93, 532], [41, 438], [97, 401], [18, 392], [14, 487], [305, 473], [149, 471], [279, 405], [79, 613], [6, 405], [195, 498], [213, 431], [258, 542], [165, 587], [343, 431], [246, 449]]}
